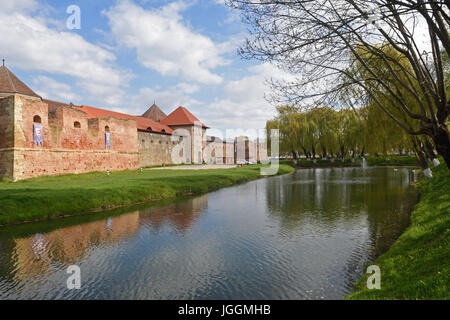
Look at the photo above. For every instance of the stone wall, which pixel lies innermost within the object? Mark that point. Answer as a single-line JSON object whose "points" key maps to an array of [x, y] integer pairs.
{"points": [[72, 142], [6, 137], [228, 153], [263, 155], [6, 163], [155, 149], [213, 152], [30, 163], [197, 137]]}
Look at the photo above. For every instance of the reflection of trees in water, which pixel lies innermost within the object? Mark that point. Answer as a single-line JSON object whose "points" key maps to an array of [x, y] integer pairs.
{"points": [[377, 202], [328, 196]]}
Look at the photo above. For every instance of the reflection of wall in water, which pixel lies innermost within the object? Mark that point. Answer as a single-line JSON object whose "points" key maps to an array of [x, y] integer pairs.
{"points": [[35, 254], [179, 215]]}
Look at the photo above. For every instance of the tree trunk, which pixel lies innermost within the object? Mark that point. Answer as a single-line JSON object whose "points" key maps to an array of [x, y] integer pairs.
{"points": [[342, 153], [305, 152], [421, 157], [442, 143], [294, 155], [429, 150]]}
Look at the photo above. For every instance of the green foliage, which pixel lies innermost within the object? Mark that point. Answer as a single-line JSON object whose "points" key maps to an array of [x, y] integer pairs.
{"points": [[329, 133], [51, 197], [418, 265], [381, 161], [393, 161]]}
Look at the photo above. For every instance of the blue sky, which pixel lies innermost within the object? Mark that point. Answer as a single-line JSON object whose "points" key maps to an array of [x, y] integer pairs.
{"points": [[129, 53]]}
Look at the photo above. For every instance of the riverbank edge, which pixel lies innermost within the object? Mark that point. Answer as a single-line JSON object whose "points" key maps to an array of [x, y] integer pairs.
{"points": [[417, 266], [374, 162], [218, 179]]}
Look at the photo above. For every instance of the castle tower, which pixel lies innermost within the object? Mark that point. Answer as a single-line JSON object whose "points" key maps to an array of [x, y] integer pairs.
{"points": [[16, 99], [154, 113], [182, 118], [10, 85]]}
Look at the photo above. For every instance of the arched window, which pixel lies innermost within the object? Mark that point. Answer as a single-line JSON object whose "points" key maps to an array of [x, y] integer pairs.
{"points": [[163, 131], [149, 129], [77, 125], [37, 119], [106, 129]]}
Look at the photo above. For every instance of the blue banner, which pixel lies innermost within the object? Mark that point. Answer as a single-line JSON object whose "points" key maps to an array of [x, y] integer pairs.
{"points": [[38, 134], [108, 139]]}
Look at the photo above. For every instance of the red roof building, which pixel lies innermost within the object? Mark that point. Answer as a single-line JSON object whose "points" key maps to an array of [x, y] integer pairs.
{"points": [[181, 117], [143, 124]]}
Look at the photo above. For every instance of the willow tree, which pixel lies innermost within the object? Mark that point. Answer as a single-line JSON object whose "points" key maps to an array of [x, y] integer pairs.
{"points": [[325, 130], [319, 41], [295, 131]]}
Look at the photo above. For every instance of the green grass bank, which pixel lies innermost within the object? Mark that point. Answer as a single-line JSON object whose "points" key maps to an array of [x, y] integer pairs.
{"points": [[381, 161], [51, 197], [417, 266]]}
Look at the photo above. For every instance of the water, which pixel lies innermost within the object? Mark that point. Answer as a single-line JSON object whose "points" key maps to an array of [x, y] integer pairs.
{"points": [[306, 235], [364, 163]]}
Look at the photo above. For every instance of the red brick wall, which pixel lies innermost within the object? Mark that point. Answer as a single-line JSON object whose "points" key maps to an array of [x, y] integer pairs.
{"points": [[66, 149], [34, 162]]}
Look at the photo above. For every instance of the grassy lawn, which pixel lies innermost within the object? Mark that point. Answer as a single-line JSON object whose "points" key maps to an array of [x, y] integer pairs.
{"points": [[418, 265], [371, 161], [392, 161], [51, 197]]}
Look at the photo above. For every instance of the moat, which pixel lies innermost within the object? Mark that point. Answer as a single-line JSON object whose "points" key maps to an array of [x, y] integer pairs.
{"points": [[305, 235]]}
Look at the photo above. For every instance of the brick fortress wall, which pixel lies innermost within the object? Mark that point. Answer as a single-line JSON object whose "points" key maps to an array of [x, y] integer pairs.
{"points": [[72, 142], [155, 149]]}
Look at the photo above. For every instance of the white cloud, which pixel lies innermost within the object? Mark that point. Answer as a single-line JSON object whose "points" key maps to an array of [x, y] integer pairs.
{"points": [[164, 43], [187, 87], [49, 88], [167, 99], [244, 105], [14, 5], [29, 43]]}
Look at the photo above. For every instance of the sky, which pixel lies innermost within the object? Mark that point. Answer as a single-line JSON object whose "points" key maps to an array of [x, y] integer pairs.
{"points": [[128, 54]]}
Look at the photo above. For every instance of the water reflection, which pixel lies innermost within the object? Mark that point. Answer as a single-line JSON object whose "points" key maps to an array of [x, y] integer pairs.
{"points": [[346, 215], [305, 235]]}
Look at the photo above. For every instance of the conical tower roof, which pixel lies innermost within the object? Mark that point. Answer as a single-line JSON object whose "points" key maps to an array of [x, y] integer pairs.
{"points": [[154, 113], [181, 116], [10, 84]]}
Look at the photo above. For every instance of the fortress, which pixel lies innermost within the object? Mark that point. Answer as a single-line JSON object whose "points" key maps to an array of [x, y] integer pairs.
{"points": [[44, 137]]}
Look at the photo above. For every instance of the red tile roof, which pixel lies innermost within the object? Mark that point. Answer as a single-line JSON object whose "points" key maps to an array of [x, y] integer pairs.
{"points": [[181, 116], [142, 123], [9, 83]]}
